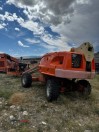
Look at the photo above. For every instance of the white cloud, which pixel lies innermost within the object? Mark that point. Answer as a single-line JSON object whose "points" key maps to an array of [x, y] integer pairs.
{"points": [[0, 8], [17, 29], [37, 29], [60, 42], [3, 24], [2, 17], [32, 26], [45, 9], [9, 1], [19, 3], [83, 1], [75, 20], [25, 12], [22, 45], [83, 26], [6, 16], [11, 17], [15, 16], [32, 41], [20, 20], [1, 27], [50, 48]]}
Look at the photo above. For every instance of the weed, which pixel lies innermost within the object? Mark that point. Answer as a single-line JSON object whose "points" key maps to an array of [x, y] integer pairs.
{"points": [[17, 98]]}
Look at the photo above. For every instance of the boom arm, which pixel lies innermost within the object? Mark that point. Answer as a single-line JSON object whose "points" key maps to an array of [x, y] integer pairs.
{"points": [[87, 49]]}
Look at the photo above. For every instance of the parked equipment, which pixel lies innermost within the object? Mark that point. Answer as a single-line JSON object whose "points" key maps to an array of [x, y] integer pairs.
{"points": [[11, 65], [64, 71]]}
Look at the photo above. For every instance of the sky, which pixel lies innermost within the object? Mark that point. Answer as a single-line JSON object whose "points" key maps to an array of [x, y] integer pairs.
{"points": [[36, 27]]}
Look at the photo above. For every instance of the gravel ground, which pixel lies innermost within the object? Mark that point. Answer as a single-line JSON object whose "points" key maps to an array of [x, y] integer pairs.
{"points": [[26, 110]]}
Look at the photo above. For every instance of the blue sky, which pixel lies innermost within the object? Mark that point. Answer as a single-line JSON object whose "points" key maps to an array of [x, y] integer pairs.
{"points": [[35, 27]]}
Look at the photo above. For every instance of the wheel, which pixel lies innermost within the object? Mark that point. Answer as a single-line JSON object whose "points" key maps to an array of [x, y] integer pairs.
{"points": [[84, 87], [52, 89], [26, 80]]}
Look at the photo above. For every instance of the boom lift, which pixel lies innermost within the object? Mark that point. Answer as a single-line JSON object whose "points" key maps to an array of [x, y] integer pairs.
{"points": [[11, 65], [64, 71]]}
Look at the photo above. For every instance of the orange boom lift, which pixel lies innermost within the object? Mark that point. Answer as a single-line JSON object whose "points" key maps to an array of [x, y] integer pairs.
{"points": [[11, 65], [64, 71]]}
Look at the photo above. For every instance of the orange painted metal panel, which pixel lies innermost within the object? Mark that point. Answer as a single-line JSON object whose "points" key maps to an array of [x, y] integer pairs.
{"points": [[63, 61], [8, 62]]}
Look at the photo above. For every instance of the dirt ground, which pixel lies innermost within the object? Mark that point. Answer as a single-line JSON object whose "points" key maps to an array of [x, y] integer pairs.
{"points": [[27, 110]]}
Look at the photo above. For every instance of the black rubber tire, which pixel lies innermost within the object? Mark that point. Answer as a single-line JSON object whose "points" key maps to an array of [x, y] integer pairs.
{"points": [[84, 87], [26, 80], [52, 89]]}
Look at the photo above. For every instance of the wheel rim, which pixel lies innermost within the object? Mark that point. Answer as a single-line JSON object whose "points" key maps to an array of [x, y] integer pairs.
{"points": [[23, 80], [48, 90]]}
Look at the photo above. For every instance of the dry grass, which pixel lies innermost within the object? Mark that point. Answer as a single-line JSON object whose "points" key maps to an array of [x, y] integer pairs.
{"points": [[70, 113], [17, 98]]}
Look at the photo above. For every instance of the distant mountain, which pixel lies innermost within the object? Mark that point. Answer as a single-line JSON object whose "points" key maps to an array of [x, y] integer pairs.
{"points": [[97, 53], [97, 57], [30, 57]]}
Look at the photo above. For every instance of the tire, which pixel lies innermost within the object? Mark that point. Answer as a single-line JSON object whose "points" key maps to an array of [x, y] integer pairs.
{"points": [[84, 87], [26, 80], [52, 90]]}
